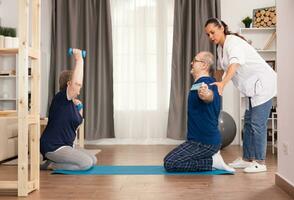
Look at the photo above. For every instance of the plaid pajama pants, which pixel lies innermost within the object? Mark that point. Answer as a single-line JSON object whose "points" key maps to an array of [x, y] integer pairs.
{"points": [[190, 156]]}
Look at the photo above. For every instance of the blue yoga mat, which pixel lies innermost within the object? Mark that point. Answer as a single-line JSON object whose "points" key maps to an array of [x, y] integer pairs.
{"points": [[134, 170]]}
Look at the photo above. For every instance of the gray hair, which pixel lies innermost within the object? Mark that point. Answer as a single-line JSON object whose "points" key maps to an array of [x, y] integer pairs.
{"points": [[208, 58]]}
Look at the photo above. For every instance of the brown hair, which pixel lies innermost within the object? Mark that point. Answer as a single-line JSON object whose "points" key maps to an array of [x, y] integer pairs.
{"points": [[219, 23], [64, 77]]}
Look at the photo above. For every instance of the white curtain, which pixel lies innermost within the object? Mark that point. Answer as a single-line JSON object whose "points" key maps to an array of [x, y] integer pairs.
{"points": [[142, 43]]}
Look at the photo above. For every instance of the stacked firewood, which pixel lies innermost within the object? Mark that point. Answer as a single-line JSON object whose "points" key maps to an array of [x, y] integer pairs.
{"points": [[265, 17]]}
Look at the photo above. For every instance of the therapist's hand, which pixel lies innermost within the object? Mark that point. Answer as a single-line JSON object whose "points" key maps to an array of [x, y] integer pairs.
{"points": [[220, 87]]}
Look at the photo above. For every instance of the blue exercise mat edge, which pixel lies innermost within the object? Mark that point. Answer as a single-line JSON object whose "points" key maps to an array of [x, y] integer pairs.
{"points": [[134, 170]]}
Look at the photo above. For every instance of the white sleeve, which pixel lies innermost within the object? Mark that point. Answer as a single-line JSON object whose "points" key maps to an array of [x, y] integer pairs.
{"points": [[219, 64], [236, 53]]}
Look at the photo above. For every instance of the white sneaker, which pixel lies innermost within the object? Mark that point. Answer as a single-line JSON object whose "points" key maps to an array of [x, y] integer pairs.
{"points": [[218, 163], [255, 167], [239, 163]]}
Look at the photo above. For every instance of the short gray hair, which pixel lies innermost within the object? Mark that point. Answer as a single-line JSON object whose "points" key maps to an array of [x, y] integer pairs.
{"points": [[208, 58]]}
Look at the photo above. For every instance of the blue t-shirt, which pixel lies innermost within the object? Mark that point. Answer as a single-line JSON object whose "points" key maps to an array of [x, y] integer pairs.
{"points": [[203, 117], [63, 122]]}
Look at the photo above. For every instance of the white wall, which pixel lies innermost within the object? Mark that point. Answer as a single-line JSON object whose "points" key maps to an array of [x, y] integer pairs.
{"points": [[9, 13], [285, 49], [9, 18], [232, 12], [46, 12]]}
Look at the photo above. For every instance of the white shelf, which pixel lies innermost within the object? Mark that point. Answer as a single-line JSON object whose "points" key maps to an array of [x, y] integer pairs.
{"points": [[263, 40], [11, 76], [243, 97], [258, 29], [266, 51], [7, 76], [270, 118], [8, 99]]}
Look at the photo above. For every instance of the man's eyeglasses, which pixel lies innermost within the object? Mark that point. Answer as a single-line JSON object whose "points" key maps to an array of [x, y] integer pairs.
{"points": [[195, 60]]}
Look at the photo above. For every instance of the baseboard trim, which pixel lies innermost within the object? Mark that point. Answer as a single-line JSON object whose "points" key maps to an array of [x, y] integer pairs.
{"points": [[284, 185]]}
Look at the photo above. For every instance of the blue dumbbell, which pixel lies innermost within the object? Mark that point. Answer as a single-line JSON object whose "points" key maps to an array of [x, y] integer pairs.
{"points": [[69, 51]]}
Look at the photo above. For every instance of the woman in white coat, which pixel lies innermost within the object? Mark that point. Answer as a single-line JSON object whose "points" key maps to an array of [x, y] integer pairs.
{"points": [[256, 80]]}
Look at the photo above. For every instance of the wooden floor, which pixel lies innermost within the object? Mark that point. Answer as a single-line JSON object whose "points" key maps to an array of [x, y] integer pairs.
{"points": [[227, 187]]}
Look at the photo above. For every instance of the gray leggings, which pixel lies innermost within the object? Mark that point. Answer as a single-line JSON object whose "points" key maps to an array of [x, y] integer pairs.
{"points": [[69, 158]]}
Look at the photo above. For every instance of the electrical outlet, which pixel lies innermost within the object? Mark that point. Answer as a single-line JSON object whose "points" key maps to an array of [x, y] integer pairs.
{"points": [[285, 148]]}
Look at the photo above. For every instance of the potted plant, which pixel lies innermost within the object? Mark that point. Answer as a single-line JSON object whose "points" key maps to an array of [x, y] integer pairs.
{"points": [[14, 38], [12, 32], [1, 37], [247, 21], [10, 39], [7, 37]]}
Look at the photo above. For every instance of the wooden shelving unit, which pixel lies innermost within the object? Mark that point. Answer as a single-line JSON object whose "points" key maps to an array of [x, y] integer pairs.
{"points": [[28, 141]]}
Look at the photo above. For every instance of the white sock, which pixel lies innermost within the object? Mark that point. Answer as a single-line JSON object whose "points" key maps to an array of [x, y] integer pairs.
{"points": [[218, 163]]}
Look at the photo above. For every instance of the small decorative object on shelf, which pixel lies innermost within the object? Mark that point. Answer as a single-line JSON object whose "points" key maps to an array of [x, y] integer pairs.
{"points": [[4, 73], [264, 17], [8, 38], [13, 72], [247, 21]]}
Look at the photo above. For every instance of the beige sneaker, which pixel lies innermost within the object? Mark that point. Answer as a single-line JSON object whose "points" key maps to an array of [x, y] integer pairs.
{"points": [[255, 167], [239, 163]]}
